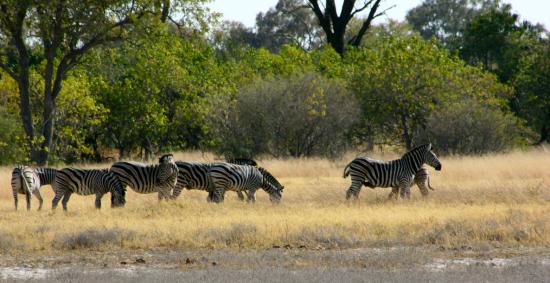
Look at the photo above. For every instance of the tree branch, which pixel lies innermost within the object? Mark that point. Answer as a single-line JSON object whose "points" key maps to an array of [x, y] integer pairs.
{"points": [[365, 6]]}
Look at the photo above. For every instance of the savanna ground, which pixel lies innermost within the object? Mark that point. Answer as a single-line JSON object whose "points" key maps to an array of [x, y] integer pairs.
{"points": [[488, 220]]}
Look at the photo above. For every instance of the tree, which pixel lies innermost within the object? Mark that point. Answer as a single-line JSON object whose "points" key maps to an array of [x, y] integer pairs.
{"points": [[532, 85], [289, 22], [50, 37], [407, 79], [485, 37], [446, 19], [335, 25]]}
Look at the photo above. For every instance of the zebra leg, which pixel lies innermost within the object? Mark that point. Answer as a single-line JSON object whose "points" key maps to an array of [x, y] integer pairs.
{"points": [[394, 193], [405, 192], [177, 191], [28, 199], [251, 195], [15, 198], [240, 195], [98, 200], [58, 195], [39, 197], [65, 200], [354, 189]]}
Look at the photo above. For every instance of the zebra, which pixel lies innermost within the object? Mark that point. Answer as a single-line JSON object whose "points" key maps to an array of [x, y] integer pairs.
{"points": [[422, 180], [145, 179], [195, 176], [242, 161], [32, 181], [192, 176], [225, 176], [397, 174], [86, 182]]}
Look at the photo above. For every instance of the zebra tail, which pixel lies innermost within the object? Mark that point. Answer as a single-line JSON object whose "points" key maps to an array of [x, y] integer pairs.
{"points": [[430, 186], [24, 181], [346, 170]]}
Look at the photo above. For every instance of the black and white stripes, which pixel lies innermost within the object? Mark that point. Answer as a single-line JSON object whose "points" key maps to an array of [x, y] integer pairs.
{"points": [[397, 174], [247, 178], [145, 179], [26, 180], [87, 182]]}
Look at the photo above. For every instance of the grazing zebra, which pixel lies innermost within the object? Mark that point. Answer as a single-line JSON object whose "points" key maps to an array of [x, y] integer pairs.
{"points": [[194, 175], [242, 161], [87, 182], [235, 177], [145, 179], [397, 174], [422, 180], [33, 179]]}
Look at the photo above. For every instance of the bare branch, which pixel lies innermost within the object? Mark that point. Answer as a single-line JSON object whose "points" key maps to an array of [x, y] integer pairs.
{"points": [[359, 10]]}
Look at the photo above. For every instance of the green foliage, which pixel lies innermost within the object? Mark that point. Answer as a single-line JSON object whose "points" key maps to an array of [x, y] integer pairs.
{"points": [[78, 121], [401, 81], [446, 19], [303, 115], [12, 145], [533, 89], [468, 127]]}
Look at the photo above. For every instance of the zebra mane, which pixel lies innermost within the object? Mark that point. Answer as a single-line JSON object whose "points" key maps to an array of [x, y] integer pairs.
{"points": [[270, 178], [242, 161], [420, 148], [165, 158]]}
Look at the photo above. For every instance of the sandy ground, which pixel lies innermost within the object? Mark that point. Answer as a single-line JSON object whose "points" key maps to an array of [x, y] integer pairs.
{"points": [[285, 264]]}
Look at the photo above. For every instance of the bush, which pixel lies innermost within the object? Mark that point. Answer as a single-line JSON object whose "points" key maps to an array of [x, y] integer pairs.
{"points": [[468, 127], [92, 238], [305, 115], [12, 147]]}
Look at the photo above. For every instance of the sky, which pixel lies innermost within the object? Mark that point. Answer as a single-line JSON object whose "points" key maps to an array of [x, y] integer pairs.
{"points": [[535, 11]]}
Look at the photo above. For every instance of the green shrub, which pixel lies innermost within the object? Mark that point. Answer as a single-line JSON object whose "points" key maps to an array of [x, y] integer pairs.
{"points": [[305, 115]]}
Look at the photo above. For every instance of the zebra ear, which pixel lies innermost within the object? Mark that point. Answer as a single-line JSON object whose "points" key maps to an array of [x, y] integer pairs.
{"points": [[430, 146]]}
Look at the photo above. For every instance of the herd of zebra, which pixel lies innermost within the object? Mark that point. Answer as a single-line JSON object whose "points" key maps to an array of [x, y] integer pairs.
{"points": [[168, 178]]}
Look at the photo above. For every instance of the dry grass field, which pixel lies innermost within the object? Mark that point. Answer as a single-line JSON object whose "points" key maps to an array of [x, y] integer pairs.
{"points": [[498, 200]]}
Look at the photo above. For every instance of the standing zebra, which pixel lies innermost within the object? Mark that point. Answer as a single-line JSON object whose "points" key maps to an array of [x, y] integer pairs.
{"points": [[195, 176], [87, 182], [397, 174], [192, 176], [235, 177], [27, 181], [145, 179], [242, 161], [422, 180]]}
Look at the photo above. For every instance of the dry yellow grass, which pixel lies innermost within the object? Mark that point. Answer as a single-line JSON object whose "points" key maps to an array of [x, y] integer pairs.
{"points": [[502, 200]]}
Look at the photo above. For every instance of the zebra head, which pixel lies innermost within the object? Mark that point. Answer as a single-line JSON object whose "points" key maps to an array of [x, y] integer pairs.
{"points": [[431, 158], [166, 158], [271, 186], [168, 173]]}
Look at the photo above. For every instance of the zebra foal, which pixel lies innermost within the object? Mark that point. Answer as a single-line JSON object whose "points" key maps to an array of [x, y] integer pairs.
{"points": [[422, 180], [397, 174], [225, 176], [26, 180], [145, 179], [87, 182]]}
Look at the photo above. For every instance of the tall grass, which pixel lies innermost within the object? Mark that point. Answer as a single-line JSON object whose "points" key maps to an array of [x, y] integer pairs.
{"points": [[501, 200]]}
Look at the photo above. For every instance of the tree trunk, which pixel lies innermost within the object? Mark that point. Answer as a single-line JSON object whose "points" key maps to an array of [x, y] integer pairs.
{"points": [[407, 138], [545, 130], [24, 100]]}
